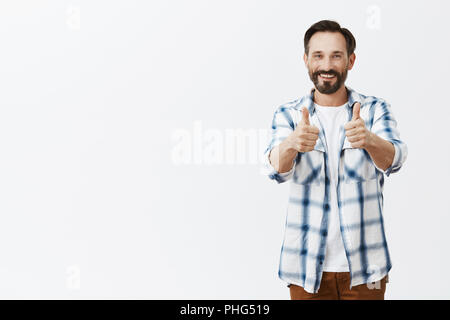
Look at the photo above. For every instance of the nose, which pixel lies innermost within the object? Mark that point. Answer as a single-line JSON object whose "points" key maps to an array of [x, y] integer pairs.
{"points": [[327, 65]]}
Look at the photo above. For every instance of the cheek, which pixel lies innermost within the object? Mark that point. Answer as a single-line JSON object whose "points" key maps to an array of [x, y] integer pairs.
{"points": [[313, 66], [341, 67]]}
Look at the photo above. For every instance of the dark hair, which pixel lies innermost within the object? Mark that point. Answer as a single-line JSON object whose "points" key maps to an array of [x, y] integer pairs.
{"points": [[330, 26]]}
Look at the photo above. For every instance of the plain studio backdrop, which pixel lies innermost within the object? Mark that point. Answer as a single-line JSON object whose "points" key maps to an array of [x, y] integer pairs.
{"points": [[131, 133]]}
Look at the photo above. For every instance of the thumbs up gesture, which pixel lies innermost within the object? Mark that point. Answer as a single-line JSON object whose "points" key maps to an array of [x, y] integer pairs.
{"points": [[355, 130], [305, 135]]}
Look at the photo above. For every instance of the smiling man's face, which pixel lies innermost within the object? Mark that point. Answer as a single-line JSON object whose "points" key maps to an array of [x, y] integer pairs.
{"points": [[327, 61]]}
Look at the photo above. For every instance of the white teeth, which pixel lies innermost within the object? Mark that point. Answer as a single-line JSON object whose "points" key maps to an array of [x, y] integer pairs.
{"points": [[327, 76]]}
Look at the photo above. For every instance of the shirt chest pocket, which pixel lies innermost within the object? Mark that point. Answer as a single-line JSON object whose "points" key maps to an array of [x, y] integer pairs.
{"points": [[357, 164], [309, 168]]}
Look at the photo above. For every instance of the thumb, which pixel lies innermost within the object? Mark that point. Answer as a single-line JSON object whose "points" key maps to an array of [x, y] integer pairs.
{"points": [[356, 109], [305, 116]]}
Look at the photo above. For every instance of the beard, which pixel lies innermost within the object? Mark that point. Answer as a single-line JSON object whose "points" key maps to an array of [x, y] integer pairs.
{"points": [[328, 86]]}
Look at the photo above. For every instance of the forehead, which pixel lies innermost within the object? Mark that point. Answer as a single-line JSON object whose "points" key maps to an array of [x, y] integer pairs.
{"points": [[327, 42]]}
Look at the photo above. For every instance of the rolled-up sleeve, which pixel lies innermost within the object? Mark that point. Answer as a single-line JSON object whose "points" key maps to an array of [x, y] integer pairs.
{"points": [[282, 126], [385, 126]]}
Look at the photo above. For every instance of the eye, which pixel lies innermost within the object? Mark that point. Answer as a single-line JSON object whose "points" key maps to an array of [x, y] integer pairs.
{"points": [[337, 56]]}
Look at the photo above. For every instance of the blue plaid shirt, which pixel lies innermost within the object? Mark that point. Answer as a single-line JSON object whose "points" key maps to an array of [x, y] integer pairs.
{"points": [[359, 190]]}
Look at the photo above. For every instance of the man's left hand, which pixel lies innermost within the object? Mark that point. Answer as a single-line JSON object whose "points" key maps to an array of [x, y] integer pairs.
{"points": [[356, 131]]}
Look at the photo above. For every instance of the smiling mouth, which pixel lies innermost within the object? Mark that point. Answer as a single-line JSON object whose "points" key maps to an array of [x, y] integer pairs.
{"points": [[326, 76]]}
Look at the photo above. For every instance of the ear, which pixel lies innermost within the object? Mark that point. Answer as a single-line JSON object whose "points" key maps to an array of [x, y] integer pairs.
{"points": [[305, 59], [351, 61]]}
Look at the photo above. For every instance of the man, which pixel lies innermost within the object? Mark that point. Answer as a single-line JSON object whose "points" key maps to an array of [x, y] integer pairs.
{"points": [[334, 145]]}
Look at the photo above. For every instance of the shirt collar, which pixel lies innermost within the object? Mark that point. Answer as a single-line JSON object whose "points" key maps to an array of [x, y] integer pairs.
{"points": [[352, 97]]}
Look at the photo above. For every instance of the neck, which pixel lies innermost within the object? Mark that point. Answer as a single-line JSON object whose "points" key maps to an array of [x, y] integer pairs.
{"points": [[335, 99]]}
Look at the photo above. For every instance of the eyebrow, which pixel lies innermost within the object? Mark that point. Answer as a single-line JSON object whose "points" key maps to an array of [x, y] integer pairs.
{"points": [[336, 51]]}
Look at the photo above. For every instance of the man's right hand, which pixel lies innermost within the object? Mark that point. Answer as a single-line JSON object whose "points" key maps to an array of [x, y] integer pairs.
{"points": [[302, 139], [305, 135]]}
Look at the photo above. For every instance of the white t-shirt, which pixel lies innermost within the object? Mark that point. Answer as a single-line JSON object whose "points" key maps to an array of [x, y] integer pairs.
{"points": [[331, 118]]}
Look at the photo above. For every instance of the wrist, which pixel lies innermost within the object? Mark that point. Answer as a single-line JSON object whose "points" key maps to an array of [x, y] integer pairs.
{"points": [[287, 145], [371, 141]]}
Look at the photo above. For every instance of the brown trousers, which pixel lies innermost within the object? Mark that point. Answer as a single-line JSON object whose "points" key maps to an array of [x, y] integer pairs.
{"points": [[336, 286]]}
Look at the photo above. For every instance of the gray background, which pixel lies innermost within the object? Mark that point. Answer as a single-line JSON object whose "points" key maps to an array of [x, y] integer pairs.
{"points": [[95, 95]]}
